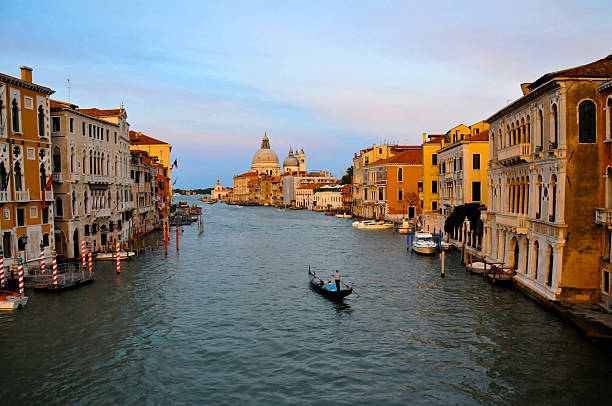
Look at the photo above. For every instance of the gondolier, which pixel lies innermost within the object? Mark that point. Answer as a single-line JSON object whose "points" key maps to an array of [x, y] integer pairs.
{"points": [[336, 276]]}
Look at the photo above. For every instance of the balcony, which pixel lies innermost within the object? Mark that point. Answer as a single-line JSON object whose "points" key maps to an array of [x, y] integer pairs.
{"points": [[4, 196], [57, 176], [603, 217], [76, 177], [22, 196], [103, 213], [515, 154], [519, 224]]}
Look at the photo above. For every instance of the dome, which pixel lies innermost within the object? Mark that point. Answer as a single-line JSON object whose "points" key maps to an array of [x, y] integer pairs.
{"points": [[291, 160], [265, 154]]}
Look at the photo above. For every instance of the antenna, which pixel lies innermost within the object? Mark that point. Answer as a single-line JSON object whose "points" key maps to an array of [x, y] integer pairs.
{"points": [[68, 80]]}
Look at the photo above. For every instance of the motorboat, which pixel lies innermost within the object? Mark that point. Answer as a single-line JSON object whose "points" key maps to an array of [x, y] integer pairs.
{"points": [[375, 225], [445, 246], [424, 244], [343, 216], [329, 214], [477, 267], [405, 226], [11, 300], [359, 222], [112, 256]]}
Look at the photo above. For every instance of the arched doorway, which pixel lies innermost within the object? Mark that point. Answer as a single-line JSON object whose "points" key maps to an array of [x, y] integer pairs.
{"points": [[75, 243], [513, 253]]}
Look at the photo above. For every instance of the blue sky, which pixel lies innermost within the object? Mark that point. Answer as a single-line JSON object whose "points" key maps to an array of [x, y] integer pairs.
{"points": [[330, 77]]}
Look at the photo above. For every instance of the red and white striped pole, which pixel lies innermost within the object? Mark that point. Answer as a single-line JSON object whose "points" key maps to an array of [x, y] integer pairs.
{"points": [[54, 268], [83, 255], [2, 283], [20, 274], [90, 263], [42, 259], [118, 259]]}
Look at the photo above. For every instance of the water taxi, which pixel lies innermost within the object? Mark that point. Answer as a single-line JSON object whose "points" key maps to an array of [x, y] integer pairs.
{"points": [[112, 256], [405, 226], [11, 300], [375, 225], [343, 216], [424, 244]]}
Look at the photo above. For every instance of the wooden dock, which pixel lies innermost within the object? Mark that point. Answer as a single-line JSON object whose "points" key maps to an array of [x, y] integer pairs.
{"points": [[70, 276]]}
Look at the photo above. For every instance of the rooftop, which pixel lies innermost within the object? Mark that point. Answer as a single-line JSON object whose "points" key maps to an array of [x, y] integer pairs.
{"points": [[601, 68], [138, 138], [411, 156]]}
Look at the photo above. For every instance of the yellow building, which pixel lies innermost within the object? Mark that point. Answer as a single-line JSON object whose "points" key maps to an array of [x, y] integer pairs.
{"points": [[158, 150], [429, 188], [25, 169]]}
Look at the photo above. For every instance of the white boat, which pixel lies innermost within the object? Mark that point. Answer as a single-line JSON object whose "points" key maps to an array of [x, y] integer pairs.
{"points": [[375, 225], [12, 301], [404, 227], [424, 244], [343, 216], [112, 256], [477, 267], [445, 245]]}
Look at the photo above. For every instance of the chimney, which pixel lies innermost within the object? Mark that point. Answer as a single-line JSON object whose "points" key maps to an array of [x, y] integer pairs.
{"points": [[26, 74], [525, 88], [424, 138]]}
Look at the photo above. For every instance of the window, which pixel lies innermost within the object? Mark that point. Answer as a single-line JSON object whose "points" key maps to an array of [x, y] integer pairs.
{"points": [[434, 205], [608, 118], [461, 163], [20, 217], [28, 102], [541, 123], [45, 239], [606, 281], [45, 215], [59, 207], [83, 128], [6, 244], [381, 194], [400, 174], [33, 212], [586, 122], [86, 230], [41, 121], [89, 130], [411, 212], [549, 273], [434, 186], [475, 191], [55, 124], [400, 194], [476, 161], [107, 132], [57, 160], [539, 183], [115, 137], [419, 186], [536, 253], [555, 133], [71, 124], [553, 198], [15, 115], [434, 159]]}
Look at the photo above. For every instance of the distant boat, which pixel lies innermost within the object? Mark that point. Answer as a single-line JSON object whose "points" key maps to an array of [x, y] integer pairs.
{"points": [[112, 256], [375, 225], [327, 288], [343, 216]]}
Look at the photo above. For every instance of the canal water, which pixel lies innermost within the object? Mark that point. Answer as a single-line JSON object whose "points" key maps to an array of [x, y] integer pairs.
{"points": [[230, 319]]}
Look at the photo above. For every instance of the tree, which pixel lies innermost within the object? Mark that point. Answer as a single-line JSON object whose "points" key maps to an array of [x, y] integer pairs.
{"points": [[455, 220], [347, 179]]}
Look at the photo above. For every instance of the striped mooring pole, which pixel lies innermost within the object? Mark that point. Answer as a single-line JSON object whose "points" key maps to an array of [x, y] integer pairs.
{"points": [[42, 258], [89, 259], [2, 282], [20, 275], [118, 259], [83, 255], [54, 262]]}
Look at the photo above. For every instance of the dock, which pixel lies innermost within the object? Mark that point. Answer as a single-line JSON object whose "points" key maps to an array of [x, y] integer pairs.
{"points": [[70, 275]]}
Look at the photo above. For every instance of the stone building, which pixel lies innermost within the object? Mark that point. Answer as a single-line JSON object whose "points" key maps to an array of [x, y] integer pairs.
{"points": [[91, 181], [265, 161], [26, 205], [544, 180], [158, 150], [145, 193], [220, 193], [290, 184]]}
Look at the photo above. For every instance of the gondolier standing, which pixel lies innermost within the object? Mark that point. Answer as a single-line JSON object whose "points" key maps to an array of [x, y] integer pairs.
{"points": [[336, 276]]}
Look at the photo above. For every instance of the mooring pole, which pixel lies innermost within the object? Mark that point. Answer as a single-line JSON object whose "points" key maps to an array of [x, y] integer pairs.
{"points": [[54, 264], [177, 238], [118, 258], [20, 275]]}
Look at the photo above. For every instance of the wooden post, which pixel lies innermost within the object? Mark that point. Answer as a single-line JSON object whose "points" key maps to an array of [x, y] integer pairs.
{"points": [[443, 255], [177, 238]]}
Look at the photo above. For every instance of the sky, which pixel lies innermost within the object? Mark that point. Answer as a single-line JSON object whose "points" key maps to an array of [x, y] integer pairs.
{"points": [[331, 77]]}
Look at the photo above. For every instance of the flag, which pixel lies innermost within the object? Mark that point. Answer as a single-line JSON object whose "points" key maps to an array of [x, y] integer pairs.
{"points": [[174, 181], [46, 187], [174, 164], [6, 180]]}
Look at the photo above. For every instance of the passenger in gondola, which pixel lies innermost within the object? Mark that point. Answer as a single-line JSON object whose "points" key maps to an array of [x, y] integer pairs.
{"points": [[336, 276]]}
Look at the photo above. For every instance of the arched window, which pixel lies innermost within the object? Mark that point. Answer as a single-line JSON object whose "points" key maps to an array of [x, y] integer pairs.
{"points": [[57, 160], [528, 132], [86, 203], [513, 139], [553, 198], [74, 213], [549, 270], [541, 132], [608, 118], [41, 121], [59, 207], [15, 115], [536, 253], [523, 132], [3, 177], [72, 160], [586, 122], [555, 133], [90, 162], [17, 176], [400, 175]]}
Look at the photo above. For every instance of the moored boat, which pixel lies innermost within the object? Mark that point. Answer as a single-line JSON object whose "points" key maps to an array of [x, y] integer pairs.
{"points": [[424, 244], [445, 246], [11, 300], [327, 288], [343, 216], [112, 256], [375, 225], [404, 227], [329, 214]]}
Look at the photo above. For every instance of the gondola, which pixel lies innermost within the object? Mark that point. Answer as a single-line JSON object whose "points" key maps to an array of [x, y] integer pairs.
{"points": [[327, 288]]}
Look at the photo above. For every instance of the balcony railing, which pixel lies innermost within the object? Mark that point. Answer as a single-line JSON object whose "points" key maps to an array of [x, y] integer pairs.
{"points": [[603, 217], [103, 212], [4, 196], [57, 176], [515, 153], [76, 177], [22, 195]]}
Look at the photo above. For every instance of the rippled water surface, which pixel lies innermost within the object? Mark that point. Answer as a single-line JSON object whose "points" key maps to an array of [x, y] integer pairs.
{"points": [[230, 319]]}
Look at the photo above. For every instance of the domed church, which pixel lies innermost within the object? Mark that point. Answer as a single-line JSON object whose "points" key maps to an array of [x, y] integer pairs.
{"points": [[265, 160]]}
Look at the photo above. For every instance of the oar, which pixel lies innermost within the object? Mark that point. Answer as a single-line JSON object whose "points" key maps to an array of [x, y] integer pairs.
{"points": [[351, 287]]}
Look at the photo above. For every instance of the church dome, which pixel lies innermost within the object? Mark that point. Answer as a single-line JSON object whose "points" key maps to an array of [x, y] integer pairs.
{"points": [[291, 160], [265, 154]]}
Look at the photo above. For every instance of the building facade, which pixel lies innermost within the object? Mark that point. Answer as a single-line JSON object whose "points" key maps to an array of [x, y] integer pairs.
{"points": [[91, 179], [25, 169], [158, 150], [544, 171]]}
